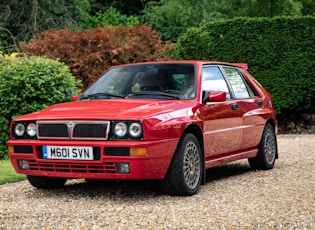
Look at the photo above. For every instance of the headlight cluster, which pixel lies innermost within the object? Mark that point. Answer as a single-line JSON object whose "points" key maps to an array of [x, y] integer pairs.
{"points": [[127, 129], [24, 130]]}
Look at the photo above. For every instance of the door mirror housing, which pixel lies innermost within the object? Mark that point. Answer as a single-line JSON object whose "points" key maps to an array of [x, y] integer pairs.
{"points": [[75, 97], [214, 96]]}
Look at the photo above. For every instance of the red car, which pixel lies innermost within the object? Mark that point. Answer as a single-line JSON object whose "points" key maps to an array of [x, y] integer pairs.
{"points": [[168, 121]]}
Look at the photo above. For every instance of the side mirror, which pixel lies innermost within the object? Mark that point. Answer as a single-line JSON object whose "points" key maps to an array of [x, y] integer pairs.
{"points": [[75, 97], [217, 96], [214, 96]]}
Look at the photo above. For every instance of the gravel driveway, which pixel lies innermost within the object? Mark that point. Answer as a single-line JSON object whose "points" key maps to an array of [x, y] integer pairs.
{"points": [[234, 197]]}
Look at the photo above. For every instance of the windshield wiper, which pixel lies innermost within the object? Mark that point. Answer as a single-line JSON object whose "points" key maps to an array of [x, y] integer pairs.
{"points": [[158, 93], [100, 95]]}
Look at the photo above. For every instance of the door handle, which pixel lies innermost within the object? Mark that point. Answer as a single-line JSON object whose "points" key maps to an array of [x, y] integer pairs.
{"points": [[234, 106], [260, 103]]}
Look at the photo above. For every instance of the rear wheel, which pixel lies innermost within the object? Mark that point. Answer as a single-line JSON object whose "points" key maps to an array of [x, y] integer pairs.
{"points": [[46, 182], [267, 150], [184, 175]]}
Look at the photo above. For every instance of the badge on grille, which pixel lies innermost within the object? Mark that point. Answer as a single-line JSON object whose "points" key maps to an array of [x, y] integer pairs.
{"points": [[70, 124]]}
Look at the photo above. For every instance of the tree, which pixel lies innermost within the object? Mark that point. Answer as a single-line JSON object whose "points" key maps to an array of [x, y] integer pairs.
{"points": [[308, 7], [173, 17], [270, 8], [22, 19], [110, 17], [128, 8]]}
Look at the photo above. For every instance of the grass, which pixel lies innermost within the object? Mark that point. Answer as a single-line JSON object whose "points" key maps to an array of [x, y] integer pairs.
{"points": [[8, 174]]}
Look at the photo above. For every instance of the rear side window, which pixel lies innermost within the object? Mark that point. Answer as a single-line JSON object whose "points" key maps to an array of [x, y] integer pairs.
{"points": [[240, 88]]}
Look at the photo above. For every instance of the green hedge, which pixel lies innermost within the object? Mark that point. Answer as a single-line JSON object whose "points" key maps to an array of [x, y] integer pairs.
{"points": [[280, 53], [28, 85]]}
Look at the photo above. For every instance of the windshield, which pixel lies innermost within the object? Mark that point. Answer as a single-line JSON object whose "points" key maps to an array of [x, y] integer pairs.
{"points": [[159, 81]]}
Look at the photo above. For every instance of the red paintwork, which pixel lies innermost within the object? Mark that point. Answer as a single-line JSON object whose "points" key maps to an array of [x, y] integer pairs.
{"points": [[217, 96], [226, 135]]}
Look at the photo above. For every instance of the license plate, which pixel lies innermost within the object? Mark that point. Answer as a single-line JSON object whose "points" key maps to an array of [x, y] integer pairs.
{"points": [[68, 152]]}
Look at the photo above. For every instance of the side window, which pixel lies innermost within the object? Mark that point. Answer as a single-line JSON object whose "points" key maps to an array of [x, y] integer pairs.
{"points": [[213, 80], [240, 88]]}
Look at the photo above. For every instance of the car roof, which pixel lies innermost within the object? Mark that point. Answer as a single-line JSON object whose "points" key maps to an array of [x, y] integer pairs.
{"points": [[195, 62]]}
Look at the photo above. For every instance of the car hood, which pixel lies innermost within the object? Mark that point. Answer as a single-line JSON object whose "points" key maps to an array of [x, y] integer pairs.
{"points": [[134, 109]]}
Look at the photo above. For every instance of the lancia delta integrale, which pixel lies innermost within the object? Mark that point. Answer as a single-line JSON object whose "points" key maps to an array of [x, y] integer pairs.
{"points": [[167, 121]]}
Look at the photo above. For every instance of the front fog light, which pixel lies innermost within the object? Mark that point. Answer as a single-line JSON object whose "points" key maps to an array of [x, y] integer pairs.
{"points": [[19, 129], [31, 129], [123, 168], [23, 164]]}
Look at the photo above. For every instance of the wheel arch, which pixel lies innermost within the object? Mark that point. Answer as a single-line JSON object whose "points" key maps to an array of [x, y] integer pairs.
{"points": [[272, 122], [197, 132], [195, 129]]}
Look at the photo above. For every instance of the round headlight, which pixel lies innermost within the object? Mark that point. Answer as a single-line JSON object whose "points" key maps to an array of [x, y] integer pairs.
{"points": [[135, 130], [19, 129], [31, 129], [120, 129]]}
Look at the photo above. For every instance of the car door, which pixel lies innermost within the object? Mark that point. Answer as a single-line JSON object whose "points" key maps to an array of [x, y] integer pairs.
{"points": [[222, 120], [248, 103]]}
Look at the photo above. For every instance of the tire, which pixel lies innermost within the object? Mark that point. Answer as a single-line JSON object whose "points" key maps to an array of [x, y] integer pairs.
{"points": [[267, 150], [185, 172], [46, 182]]}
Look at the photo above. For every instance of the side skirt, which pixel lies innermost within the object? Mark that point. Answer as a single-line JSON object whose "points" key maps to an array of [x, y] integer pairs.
{"points": [[227, 158]]}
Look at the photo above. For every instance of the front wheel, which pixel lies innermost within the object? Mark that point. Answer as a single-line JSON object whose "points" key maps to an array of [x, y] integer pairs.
{"points": [[184, 175], [267, 150], [46, 182]]}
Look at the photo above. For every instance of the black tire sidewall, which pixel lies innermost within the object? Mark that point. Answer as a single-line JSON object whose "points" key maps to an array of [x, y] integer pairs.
{"points": [[46, 182], [174, 183], [260, 161], [266, 164]]}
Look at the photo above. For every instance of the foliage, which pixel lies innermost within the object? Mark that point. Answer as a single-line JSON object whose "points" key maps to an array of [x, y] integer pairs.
{"points": [[280, 53], [111, 17], [173, 17], [133, 7], [6, 59], [28, 85], [7, 173], [23, 19], [308, 7], [91, 52]]}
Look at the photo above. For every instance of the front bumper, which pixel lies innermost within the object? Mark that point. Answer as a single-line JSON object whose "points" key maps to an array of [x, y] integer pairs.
{"points": [[153, 165]]}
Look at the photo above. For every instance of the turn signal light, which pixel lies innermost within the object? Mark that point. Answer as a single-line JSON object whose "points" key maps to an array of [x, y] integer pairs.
{"points": [[142, 151], [10, 149]]}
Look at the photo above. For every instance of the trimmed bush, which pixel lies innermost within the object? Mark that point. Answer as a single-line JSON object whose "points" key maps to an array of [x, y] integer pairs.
{"points": [[280, 53], [88, 53], [28, 85], [6, 59]]}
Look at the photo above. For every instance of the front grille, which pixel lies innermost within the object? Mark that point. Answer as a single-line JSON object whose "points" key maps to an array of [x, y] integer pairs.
{"points": [[76, 130], [106, 168], [53, 130], [89, 130]]}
